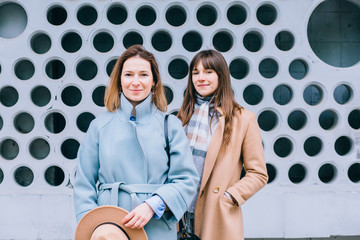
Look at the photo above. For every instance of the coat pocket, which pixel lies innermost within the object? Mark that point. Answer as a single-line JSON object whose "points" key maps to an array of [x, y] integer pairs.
{"points": [[227, 200]]}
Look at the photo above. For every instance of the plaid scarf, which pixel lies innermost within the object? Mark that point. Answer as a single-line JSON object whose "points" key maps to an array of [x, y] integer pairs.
{"points": [[198, 133]]}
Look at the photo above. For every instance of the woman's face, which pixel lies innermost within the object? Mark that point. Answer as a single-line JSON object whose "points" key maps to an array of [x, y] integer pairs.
{"points": [[205, 81], [136, 79]]}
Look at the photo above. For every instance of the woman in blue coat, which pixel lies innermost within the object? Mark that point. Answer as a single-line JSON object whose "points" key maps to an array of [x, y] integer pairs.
{"points": [[122, 161]]}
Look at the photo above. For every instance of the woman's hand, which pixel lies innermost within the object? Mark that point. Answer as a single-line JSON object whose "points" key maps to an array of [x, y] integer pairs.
{"points": [[139, 216]]}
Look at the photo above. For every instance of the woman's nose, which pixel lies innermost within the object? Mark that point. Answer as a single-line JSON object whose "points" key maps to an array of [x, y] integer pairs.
{"points": [[135, 81], [201, 76]]}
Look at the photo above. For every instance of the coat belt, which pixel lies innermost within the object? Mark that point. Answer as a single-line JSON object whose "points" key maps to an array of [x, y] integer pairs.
{"points": [[132, 189]]}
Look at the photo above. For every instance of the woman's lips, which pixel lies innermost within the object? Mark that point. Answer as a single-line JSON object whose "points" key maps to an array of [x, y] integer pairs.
{"points": [[136, 91]]}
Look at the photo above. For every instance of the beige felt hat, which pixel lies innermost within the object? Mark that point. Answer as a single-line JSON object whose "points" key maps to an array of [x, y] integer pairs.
{"points": [[105, 221]]}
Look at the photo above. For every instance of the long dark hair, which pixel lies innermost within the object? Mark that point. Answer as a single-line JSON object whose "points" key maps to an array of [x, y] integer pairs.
{"points": [[223, 96], [112, 97]]}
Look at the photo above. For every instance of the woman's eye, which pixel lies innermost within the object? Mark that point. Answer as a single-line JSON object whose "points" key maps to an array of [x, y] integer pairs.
{"points": [[194, 73], [127, 74]]}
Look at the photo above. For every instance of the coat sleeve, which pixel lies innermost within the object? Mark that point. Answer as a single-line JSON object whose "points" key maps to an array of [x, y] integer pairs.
{"points": [[254, 164], [182, 176], [85, 194]]}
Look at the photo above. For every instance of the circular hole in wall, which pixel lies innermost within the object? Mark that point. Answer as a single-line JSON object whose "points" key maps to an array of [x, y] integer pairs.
{"points": [[86, 69], [236, 14], [71, 96], [333, 32], [24, 122], [132, 38], [267, 120], [54, 175], [13, 20], [283, 147], [71, 42], [175, 15], [343, 145], [8, 96], [39, 148], [103, 42], [312, 146], [223, 41], [253, 41], [117, 14], [146, 15], [354, 173], [161, 41], [239, 68], [174, 112], [253, 94], [192, 41], [56, 15], [87, 15], [110, 66], [24, 176], [169, 94], [55, 122], [342, 94], [1, 123], [55, 69], [354, 119], [1, 175], [40, 96], [297, 120], [328, 119], [268, 68], [69, 148], [313, 94], [9, 149], [282, 94], [297, 173], [40, 43], [24, 69], [271, 171], [178, 68], [298, 69], [98, 96], [206, 15], [266, 14], [284, 40], [327, 173], [83, 121]]}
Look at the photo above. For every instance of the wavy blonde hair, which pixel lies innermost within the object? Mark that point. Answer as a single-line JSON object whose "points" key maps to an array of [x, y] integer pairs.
{"points": [[113, 90]]}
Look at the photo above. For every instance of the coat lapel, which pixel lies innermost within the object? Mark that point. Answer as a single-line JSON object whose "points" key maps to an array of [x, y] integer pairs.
{"points": [[212, 152]]}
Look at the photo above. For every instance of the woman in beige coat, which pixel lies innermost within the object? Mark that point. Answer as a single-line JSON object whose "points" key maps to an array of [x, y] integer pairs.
{"points": [[224, 138]]}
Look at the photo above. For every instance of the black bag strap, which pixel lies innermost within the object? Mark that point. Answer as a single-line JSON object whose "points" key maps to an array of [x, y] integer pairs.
{"points": [[167, 148]]}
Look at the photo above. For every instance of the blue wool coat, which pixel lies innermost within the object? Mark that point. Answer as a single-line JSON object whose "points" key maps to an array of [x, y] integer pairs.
{"points": [[128, 161]]}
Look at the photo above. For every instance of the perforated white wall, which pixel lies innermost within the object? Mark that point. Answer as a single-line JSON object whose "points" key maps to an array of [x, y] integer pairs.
{"points": [[293, 62]]}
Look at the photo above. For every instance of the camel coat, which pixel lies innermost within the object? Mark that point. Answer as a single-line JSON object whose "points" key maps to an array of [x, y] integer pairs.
{"points": [[216, 216]]}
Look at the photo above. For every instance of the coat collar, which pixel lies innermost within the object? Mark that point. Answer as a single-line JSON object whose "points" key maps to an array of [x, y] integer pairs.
{"points": [[142, 110]]}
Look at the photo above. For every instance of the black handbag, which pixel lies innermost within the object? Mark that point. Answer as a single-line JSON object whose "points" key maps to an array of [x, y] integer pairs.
{"points": [[183, 235]]}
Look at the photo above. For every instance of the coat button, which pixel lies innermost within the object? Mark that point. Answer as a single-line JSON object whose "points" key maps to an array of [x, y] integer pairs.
{"points": [[216, 189]]}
